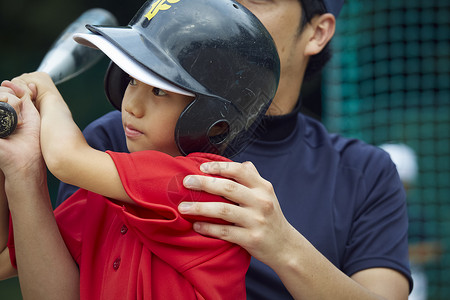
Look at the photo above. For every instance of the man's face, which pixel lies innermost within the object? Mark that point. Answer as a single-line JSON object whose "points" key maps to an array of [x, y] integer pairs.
{"points": [[282, 19]]}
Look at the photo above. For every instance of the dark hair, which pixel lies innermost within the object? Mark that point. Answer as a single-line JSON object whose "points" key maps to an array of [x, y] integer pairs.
{"points": [[311, 8]]}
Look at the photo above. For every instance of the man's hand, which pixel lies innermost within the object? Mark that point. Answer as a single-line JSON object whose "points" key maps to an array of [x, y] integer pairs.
{"points": [[260, 227], [259, 224]]}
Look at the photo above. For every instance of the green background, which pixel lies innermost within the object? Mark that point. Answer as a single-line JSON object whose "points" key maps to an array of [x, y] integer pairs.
{"points": [[389, 82]]}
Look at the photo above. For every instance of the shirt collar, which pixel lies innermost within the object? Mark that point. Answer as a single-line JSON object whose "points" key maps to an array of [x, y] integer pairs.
{"points": [[276, 128]]}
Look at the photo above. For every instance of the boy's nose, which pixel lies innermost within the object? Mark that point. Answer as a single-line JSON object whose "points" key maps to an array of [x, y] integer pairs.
{"points": [[134, 106]]}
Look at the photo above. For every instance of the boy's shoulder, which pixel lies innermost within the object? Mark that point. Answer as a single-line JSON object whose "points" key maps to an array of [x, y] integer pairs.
{"points": [[204, 157]]}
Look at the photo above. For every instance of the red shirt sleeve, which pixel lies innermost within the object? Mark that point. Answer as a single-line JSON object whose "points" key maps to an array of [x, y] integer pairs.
{"points": [[153, 180]]}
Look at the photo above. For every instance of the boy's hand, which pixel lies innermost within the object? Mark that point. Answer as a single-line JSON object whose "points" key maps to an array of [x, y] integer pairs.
{"points": [[9, 95], [21, 149], [38, 86], [41, 86], [12, 94]]}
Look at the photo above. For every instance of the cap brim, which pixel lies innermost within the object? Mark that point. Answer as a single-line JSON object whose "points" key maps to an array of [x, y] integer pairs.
{"points": [[127, 64]]}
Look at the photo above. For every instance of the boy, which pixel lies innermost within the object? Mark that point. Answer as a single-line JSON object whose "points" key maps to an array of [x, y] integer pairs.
{"points": [[132, 242]]}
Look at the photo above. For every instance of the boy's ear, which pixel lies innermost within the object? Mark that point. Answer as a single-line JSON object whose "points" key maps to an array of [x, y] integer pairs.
{"points": [[321, 30]]}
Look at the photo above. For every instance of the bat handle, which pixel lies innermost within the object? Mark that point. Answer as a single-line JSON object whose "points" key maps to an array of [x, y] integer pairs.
{"points": [[8, 119]]}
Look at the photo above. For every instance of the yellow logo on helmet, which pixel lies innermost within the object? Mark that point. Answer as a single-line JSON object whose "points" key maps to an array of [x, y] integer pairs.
{"points": [[159, 5]]}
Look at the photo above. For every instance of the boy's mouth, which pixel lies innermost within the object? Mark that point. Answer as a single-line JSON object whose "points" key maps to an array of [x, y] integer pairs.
{"points": [[132, 132]]}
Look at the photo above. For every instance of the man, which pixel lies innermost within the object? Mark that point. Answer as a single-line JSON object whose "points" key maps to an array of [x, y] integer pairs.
{"points": [[323, 217]]}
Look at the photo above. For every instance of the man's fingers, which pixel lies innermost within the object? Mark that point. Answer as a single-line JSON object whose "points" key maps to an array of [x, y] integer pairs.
{"points": [[226, 188], [244, 173], [228, 212], [229, 233], [218, 210], [242, 183]]}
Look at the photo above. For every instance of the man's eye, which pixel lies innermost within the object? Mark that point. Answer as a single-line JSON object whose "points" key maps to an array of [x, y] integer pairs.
{"points": [[159, 92], [132, 81]]}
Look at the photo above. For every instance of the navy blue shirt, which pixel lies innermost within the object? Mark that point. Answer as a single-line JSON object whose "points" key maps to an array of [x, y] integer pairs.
{"points": [[343, 195]]}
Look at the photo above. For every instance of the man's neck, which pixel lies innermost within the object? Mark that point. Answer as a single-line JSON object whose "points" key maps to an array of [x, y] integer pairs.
{"points": [[286, 98], [278, 127]]}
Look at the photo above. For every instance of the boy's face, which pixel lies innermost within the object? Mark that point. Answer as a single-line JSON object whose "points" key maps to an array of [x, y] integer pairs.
{"points": [[149, 116]]}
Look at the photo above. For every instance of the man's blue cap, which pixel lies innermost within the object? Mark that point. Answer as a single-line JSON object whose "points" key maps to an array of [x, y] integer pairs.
{"points": [[334, 6]]}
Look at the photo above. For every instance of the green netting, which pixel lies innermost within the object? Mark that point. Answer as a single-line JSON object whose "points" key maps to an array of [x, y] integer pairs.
{"points": [[389, 81]]}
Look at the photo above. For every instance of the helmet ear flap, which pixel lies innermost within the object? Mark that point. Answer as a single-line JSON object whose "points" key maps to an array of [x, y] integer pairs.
{"points": [[219, 132], [115, 82], [208, 125]]}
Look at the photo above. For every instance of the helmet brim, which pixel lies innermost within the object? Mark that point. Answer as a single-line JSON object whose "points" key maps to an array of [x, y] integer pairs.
{"points": [[127, 64]]}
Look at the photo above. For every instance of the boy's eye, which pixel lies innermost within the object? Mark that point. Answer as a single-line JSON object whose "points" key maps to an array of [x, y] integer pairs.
{"points": [[159, 92], [132, 81]]}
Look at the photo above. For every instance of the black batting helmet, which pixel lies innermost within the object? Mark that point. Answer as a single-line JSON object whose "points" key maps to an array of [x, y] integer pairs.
{"points": [[214, 50]]}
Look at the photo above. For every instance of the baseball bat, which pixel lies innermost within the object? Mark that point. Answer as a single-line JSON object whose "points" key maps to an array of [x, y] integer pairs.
{"points": [[64, 60]]}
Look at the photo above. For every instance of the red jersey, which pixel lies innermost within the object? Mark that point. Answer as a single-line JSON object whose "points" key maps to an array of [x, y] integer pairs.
{"points": [[148, 250]]}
